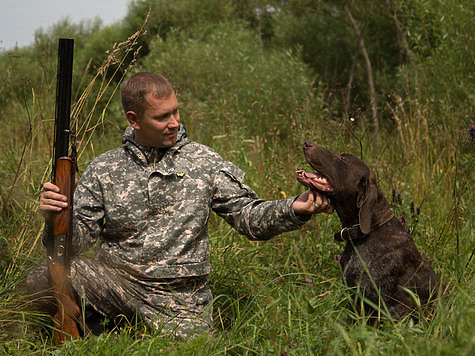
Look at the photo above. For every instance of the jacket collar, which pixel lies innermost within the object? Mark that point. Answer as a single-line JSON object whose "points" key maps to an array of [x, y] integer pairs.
{"points": [[147, 155]]}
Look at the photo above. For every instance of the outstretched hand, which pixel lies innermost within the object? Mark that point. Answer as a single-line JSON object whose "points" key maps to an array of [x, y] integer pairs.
{"points": [[312, 202]]}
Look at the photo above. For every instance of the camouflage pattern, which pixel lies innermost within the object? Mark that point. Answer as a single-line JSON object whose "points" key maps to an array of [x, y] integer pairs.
{"points": [[173, 306], [150, 208], [152, 215]]}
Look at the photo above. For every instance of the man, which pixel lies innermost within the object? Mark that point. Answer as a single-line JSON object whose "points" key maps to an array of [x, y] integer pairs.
{"points": [[149, 202]]}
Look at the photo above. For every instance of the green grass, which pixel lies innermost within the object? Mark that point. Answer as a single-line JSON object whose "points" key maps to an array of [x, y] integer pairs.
{"points": [[284, 296]]}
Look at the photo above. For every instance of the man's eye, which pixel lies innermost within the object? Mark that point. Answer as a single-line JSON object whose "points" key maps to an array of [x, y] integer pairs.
{"points": [[167, 115], [162, 117]]}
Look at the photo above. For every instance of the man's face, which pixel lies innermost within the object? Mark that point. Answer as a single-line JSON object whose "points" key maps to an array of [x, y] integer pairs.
{"points": [[158, 125]]}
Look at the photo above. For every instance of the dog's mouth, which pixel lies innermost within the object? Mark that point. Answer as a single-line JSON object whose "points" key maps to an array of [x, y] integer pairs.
{"points": [[316, 181]]}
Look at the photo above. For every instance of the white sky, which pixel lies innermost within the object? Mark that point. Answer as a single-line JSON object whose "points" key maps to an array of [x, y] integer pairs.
{"points": [[19, 19]]}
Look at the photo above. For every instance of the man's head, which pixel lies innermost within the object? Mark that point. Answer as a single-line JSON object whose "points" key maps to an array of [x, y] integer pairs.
{"points": [[151, 108]]}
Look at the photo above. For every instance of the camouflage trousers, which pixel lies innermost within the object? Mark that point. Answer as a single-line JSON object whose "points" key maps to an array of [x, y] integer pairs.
{"points": [[178, 306]]}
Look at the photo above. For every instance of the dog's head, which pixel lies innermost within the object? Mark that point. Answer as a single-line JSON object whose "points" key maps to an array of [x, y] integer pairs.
{"points": [[348, 181]]}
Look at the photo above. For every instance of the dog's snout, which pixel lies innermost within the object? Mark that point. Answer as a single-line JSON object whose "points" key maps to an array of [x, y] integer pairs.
{"points": [[307, 144]]}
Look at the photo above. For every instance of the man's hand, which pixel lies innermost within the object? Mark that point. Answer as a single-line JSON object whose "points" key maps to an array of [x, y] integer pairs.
{"points": [[51, 200], [312, 202]]}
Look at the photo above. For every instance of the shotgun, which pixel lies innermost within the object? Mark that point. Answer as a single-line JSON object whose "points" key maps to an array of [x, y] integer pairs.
{"points": [[64, 166]]}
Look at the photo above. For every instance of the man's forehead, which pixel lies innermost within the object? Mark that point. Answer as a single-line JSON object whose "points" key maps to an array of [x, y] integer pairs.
{"points": [[151, 101]]}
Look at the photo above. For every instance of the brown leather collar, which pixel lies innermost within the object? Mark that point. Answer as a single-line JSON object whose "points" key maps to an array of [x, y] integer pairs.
{"points": [[354, 232], [349, 233]]}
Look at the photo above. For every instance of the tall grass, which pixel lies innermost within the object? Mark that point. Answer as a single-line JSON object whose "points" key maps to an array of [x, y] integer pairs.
{"points": [[26, 161], [284, 296]]}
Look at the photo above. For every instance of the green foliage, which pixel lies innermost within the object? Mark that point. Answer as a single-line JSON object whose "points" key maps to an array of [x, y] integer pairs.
{"points": [[254, 80], [167, 15], [329, 45], [440, 34], [223, 70], [307, 25], [82, 31]]}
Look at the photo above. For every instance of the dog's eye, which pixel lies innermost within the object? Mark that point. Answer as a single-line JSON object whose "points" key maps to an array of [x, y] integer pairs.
{"points": [[342, 158]]}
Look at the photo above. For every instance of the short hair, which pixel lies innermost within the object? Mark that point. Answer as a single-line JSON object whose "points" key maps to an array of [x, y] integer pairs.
{"points": [[140, 84]]}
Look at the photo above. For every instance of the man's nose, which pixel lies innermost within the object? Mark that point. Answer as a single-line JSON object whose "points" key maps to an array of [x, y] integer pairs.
{"points": [[174, 120]]}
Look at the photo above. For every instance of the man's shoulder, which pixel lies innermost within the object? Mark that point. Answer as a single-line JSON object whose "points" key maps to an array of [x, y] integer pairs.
{"points": [[206, 159], [110, 156], [108, 160], [199, 153], [192, 146]]}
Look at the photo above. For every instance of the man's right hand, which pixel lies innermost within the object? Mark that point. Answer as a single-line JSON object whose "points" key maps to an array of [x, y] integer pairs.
{"points": [[51, 200]]}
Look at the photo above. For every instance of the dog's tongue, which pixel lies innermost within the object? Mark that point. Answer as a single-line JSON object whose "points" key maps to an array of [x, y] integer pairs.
{"points": [[307, 175], [314, 180]]}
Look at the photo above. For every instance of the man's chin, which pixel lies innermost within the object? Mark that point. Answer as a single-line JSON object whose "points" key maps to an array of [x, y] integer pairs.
{"points": [[167, 144]]}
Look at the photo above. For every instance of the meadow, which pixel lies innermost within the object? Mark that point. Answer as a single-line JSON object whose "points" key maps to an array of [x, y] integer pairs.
{"points": [[251, 96]]}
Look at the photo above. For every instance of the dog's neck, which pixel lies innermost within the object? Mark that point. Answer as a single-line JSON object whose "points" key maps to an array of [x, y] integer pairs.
{"points": [[347, 213], [349, 217], [353, 232]]}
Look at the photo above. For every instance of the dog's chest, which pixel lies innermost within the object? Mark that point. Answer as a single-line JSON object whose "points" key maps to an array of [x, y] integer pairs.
{"points": [[352, 270], [351, 263]]}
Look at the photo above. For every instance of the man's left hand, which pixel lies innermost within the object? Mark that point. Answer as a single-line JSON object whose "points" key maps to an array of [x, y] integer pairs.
{"points": [[312, 202]]}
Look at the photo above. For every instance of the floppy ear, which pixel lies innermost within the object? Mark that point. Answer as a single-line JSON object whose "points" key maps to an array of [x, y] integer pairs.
{"points": [[371, 202]]}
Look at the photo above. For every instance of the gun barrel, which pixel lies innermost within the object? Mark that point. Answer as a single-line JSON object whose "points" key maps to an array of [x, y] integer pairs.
{"points": [[63, 100]]}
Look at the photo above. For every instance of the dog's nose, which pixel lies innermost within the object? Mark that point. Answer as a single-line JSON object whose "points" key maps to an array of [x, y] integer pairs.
{"points": [[307, 144]]}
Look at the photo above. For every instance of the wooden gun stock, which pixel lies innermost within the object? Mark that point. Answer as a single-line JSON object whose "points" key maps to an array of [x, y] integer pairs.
{"points": [[68, 312]]}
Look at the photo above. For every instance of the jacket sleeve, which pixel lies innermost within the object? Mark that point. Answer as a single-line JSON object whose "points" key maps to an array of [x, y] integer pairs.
{"points": [[88, 214], [240, 206]]}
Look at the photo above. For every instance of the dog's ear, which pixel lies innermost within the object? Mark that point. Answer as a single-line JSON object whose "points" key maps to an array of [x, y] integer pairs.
{"points": [[371, 202]]}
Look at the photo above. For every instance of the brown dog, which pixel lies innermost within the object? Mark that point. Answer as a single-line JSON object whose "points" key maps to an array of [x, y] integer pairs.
{"points": [[379, 252]]}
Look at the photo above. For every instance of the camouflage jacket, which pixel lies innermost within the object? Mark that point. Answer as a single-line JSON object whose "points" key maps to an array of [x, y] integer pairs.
{"points": [[152, 218]]}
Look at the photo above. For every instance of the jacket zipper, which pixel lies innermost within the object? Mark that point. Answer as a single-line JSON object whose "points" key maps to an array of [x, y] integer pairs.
{"points": [[155, 153]]}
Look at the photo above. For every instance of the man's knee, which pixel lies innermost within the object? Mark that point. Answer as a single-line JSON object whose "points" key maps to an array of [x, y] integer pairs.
{"points": [[39, 291]]}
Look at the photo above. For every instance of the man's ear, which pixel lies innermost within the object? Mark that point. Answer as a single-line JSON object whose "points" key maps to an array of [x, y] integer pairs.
{"points": [[132, 117]]}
